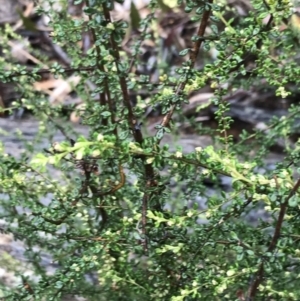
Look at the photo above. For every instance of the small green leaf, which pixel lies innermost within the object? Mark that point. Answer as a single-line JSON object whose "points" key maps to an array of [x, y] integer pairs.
{"points": [[160, 134], [250, 252], [188, 9], [206, 46], [39, 160], [214, 28], [293, 201], [184, 52], [200, 10], [233, 235], [123, 135], [106, 114]]}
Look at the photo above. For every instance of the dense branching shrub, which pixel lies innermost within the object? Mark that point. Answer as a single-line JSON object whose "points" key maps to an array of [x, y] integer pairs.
{"points": [[108, 227]]}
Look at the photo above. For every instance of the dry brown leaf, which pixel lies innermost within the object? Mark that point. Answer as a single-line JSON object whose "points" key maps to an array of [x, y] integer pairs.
{"points": [[200, 98], [47, 85], [240, 295], [19, 52], [122, 11], [61, 91], [75, 116], [58, 89]]}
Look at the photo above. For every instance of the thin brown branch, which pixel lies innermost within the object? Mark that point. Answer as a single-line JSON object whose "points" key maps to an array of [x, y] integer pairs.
{"points": [[200, 34], [259, 275], [144, 221], [139, 42], [200, 164], [193, 57], [100, 67], [230, 214], [282, 212], [133, 123]]}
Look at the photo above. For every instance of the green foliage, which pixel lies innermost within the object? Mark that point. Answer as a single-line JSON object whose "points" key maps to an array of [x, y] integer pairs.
{"points": [[109, 228]]}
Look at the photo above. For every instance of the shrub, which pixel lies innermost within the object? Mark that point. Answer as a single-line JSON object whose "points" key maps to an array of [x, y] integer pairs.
{"points": [[116, 228]]}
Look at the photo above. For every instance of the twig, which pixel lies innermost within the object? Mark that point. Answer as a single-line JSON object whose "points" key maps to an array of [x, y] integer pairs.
{"points": [[259, 275], [133, 123], [102, 70], [193, 56], [60, 53], [209, 232], [144, 221], [58, 126], [9, 75], [139, 43]]}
